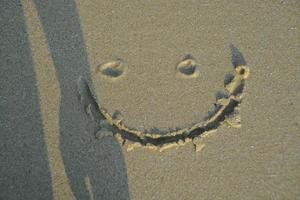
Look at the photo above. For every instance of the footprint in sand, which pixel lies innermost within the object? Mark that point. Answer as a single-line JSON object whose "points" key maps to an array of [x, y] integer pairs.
{"points": [[188, 68], [112, 70]]}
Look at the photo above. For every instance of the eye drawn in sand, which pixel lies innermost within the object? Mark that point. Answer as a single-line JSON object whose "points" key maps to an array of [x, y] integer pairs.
{"points": [[225, 110], [112, 70], [187, 68]]}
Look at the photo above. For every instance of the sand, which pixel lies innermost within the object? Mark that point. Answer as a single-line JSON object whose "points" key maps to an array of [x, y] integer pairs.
{"points": [[157, 65], [258, 161], [149, 95]]}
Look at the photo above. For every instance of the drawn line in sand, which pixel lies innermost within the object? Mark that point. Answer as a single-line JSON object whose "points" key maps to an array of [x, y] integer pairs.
{"points": [[226, 110]]}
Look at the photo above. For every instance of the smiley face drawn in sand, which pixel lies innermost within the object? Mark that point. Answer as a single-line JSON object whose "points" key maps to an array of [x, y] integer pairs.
{"points": [[155, 71], [226, 110]]}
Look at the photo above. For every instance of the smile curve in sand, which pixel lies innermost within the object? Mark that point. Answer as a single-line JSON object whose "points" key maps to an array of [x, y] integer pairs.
{"points": [[226, 109]]}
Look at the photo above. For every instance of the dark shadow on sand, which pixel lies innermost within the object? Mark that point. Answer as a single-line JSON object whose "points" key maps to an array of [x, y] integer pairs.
{"points": [[237, 58], [24, 171], [83, 155]]}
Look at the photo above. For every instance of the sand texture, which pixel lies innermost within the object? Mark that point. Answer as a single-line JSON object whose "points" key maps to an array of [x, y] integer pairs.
{"points": [[149, 99]]}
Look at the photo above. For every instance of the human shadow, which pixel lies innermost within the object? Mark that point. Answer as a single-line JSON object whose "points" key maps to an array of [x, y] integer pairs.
{"points": [[96, 169], [24, 171]]}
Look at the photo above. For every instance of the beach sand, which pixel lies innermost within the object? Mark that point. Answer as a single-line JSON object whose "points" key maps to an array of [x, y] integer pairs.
{"points": [[130, 52], [258, 161]]}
